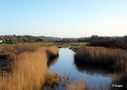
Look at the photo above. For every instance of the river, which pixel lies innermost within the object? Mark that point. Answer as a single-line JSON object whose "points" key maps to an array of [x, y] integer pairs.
{"points": [[95, 79]]}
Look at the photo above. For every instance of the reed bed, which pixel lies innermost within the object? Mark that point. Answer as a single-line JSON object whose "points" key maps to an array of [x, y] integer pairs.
{"points": [[29, 72], [52, 52], [100, 56], [52, 80], [14, 49], [29, 68]]}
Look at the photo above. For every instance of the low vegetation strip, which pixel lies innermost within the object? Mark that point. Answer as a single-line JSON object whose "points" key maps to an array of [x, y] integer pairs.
{"points": [[100, 56], [29, 68], [77, 86]]}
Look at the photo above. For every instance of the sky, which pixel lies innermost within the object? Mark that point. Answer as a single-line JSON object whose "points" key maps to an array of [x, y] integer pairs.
{"points": [[63, 18]]}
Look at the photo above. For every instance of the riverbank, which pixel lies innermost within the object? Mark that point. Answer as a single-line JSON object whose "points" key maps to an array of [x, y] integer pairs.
{"points": [[24, 67], [112, 59]]}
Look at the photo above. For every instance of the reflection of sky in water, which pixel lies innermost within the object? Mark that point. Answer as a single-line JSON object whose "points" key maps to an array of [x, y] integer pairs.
{"points": [[65, 67]]}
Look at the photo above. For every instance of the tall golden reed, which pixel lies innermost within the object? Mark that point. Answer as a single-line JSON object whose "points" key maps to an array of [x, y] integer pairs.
{"points": [[101, 55], [29, 72], [54, 50]]}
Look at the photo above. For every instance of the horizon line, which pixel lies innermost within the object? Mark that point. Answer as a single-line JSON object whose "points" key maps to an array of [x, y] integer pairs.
{"points": [[63, 37]]}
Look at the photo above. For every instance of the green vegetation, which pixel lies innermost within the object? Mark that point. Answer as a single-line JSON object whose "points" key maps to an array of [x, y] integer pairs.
{"points": [[76, 46]]}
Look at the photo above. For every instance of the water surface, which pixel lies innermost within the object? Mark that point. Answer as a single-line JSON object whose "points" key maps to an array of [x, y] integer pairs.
{"points": [[65, 66]]}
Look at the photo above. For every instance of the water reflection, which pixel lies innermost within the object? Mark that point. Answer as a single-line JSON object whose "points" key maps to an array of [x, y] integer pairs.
{"points": [[96, 78], [92, 69]]}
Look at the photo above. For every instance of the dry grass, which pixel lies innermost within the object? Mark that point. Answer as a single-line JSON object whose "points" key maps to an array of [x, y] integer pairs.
{"points": [[14, 50], [29, 72], [100, 56], [52, 52], [77, 86], [52, 80], [29, 68]]}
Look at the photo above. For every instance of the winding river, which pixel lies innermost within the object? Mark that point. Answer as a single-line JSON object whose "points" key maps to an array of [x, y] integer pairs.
{"points": [[95, 79]]}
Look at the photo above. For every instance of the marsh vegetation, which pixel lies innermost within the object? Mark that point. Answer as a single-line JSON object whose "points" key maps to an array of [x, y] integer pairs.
{"points": [[111, 59], [28, 68], [73, 67]]}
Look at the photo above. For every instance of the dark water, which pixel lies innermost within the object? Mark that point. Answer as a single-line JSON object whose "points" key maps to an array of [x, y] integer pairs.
{"points": [[95, 79]]}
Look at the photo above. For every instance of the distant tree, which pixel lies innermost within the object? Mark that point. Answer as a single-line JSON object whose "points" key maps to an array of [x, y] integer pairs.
{"points": [[39, 40]]}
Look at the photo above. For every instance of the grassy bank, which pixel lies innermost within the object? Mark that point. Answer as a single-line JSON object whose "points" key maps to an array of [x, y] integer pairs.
{"points": [[29, 70], [101, 57], [76, 46]]}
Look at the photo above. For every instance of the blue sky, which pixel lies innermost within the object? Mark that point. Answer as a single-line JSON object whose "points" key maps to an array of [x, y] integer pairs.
{"points": [[63, 18]]}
